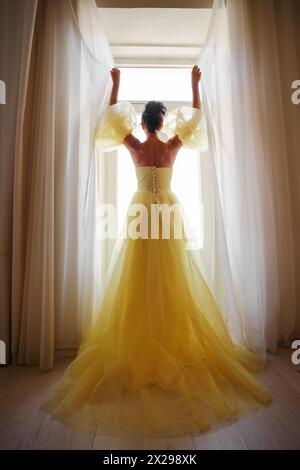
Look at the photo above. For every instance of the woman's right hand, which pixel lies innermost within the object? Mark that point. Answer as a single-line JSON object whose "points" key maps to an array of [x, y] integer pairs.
{"points": [[195, 75]]}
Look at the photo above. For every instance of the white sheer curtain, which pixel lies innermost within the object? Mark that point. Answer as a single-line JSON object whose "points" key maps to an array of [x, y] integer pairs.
{"points": [[63, 84], [250, 183], [248, 250]]}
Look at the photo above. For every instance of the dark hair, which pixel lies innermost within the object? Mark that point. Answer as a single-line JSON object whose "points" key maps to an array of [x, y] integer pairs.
{"points": [[153, 115]]}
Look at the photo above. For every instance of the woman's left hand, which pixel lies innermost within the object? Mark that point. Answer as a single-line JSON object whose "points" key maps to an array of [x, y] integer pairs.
{"points": [[115, 74]]}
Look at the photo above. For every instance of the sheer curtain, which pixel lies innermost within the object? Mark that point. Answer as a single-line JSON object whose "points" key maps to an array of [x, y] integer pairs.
{"points": [[63, 84], [249, 247], [250, 176]]}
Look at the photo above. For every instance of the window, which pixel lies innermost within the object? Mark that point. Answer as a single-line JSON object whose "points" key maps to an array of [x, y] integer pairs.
{"points": [[165, 84], [172, 86]]}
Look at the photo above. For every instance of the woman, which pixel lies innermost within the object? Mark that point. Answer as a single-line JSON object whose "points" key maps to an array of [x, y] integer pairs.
{"points": [[158, 359]]}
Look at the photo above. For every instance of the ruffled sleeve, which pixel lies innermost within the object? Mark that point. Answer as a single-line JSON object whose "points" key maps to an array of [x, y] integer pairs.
{"points": [[189, 124], [114, 124]]}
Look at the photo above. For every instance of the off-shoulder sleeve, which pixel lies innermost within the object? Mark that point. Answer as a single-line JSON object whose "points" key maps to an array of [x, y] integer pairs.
{"points": [[189, 124], [114, 124]]}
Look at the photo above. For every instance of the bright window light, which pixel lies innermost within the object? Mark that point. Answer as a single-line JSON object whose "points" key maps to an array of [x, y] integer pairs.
{"points": [[143, 84]]}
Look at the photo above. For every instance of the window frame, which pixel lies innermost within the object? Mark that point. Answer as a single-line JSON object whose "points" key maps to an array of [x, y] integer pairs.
{"points": [[110, 167]]}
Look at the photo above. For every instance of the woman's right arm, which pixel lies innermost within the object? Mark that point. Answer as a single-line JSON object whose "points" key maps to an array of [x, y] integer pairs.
{"points": [[115, 75], [174, 142]]}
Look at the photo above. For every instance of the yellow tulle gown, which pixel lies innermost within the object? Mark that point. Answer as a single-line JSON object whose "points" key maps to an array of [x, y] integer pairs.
{"points": [[158, 360]]}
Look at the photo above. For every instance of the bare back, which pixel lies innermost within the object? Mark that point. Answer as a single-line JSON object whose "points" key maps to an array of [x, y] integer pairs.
{"points": [[153, 152]]}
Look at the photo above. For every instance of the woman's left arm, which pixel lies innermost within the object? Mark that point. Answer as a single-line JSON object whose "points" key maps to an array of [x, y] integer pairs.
{"points": [[131, 142], [115, 75], [196, 77]]}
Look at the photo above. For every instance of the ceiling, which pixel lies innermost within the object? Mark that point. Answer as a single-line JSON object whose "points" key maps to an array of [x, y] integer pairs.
{"points": [[155, 3], [146, 36]]}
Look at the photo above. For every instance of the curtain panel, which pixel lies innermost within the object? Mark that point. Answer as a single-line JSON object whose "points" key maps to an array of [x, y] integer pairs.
{"points": [[249, 60], [63, 84]]}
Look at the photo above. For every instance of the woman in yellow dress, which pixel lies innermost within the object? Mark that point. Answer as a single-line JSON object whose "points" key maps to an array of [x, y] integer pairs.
{"points": [[158, 359]]}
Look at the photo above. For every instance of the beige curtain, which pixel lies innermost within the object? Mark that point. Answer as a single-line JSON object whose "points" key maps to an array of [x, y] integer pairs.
{"points": [[249, 61], [275, 28], [16, 29], [63, 84]]}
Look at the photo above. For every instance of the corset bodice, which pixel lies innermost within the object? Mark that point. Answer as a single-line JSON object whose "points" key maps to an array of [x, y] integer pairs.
{"points": [[154, 179]]}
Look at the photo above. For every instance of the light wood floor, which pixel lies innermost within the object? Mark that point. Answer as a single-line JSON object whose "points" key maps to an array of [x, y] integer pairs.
{"points": [[24, 426]]}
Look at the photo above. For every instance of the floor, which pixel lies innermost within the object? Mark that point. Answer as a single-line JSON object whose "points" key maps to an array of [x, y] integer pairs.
{"points": [[24, 426]]}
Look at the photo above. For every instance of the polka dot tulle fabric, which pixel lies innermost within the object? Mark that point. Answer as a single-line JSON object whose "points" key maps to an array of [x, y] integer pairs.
{"points": [[158, 359]]}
